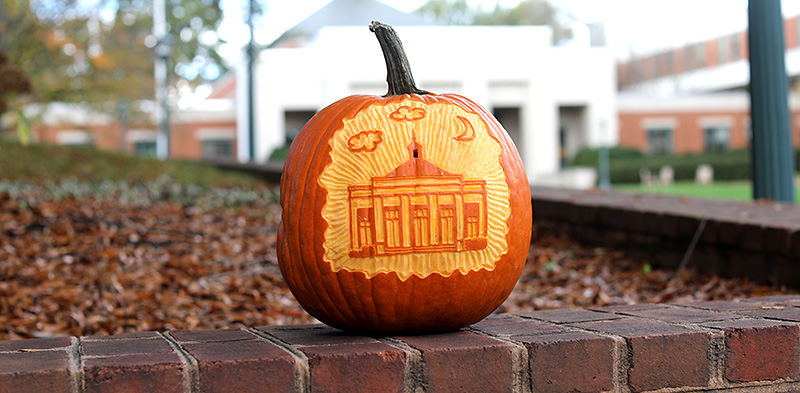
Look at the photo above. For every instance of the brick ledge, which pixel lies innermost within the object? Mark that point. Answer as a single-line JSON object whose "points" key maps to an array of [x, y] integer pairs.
{"points": [[737, 346], [759, 240]]}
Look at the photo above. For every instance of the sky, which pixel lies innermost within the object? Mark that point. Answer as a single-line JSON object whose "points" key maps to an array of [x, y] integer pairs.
{"points": [[632, 26]]}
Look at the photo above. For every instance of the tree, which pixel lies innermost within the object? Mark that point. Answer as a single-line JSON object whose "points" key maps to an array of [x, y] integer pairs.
{"points": [[527, 12], [78, 51], [12, 80]]}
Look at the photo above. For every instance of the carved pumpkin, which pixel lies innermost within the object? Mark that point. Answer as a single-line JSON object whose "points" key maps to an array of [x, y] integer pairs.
{"points": [[407, 213]]}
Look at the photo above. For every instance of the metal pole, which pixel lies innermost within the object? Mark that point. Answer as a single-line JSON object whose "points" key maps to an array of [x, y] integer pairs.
{"points": [[162, 75], [124, 117], [251, 129], [772, 158], [604, 178]]}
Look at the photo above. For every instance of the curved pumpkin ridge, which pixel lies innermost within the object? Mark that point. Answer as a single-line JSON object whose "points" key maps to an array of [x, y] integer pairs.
{"points": [[298, 189], [320, 232], [316, 199], [290, 185]]}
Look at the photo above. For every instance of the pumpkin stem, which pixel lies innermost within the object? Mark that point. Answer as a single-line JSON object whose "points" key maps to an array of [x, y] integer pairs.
{"points": [[398, 72]]}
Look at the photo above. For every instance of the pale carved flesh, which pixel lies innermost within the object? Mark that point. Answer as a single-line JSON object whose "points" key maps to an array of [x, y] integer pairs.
{"points": [[415, 190]]}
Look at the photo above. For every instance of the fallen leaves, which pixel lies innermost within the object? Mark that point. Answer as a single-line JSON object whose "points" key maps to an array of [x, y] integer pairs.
{"points": [[90, 264]]}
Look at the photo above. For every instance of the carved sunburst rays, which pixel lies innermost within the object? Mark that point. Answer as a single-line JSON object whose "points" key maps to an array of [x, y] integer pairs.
{"points": [[375, 142]]}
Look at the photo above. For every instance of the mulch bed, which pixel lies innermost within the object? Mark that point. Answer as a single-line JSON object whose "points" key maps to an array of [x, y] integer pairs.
{"points": [[101, 265]]}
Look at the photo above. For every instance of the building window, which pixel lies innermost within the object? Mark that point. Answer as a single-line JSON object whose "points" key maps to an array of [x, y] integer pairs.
{"points": [[736, 51], [688, 59], [723, 45], [294, 122], [77, 138], [217, 148], [700, 55], [670, 60], [659, 141], [717, 139], [144, 148]]}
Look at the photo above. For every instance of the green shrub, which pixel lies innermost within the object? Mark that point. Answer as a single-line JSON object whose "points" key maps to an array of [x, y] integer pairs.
{"points": [[279, 154], [625, 167], [589, 157]]}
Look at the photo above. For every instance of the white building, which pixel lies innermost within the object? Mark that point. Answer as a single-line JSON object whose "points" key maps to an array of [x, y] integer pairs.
{"points": [[552, 100]]}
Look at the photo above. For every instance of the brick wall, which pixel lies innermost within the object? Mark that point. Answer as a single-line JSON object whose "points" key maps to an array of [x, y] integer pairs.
{"points": [[759, 240], [747, 346]]}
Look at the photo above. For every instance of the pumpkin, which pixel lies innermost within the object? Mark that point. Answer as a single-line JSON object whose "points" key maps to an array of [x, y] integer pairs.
{"points": [[407, 213]]}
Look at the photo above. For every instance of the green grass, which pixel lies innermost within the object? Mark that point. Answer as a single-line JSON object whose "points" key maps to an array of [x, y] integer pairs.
{"points": [[734, 190], [41, 163]]}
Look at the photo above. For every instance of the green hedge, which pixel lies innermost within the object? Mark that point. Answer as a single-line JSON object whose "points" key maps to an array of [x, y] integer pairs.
{"points": [[625, 164]]}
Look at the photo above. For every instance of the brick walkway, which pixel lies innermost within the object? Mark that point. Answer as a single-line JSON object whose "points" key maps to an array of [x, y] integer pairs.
{"points": [[745, 346]]}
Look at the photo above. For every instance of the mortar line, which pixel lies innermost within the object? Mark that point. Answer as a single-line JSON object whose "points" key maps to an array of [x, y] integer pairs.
{"points": [[77, 375], [302, 370], [521, 366], [414, 378], [191, 372]]}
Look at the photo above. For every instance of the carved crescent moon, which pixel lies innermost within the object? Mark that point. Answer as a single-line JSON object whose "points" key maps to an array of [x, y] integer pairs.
{"points": [[469, 132]]}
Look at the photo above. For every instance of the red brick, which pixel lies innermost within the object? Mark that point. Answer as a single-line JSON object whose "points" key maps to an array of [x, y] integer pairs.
{"points": [[354, 368], [161, 373], [570, 362], [778, 239], [760, 350], [314, 334], [729, 233], [35, 372], [569, 315], [662, 355], [683, 315], [42, 343], [752, 236], [464, 362], [622, 308], [243, 366], [123, 336], [125, 347], [209, 335], [719, 305], [509, 327], [783, 313]]}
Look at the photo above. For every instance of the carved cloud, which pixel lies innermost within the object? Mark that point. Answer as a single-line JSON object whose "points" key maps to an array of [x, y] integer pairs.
{"points": [[406, 113], [365, 140]]}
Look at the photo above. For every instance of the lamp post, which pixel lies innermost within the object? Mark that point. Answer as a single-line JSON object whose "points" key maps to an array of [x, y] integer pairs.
{"points": [[772, 156], [163, 48], [604, 178], [251, 53]]}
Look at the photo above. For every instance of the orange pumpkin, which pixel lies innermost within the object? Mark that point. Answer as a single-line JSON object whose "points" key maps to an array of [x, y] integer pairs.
{"points": [[407, 213]]}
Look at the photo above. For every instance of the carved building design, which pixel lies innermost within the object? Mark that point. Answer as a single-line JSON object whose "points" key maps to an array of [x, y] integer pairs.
{"points": [[417, 208]]}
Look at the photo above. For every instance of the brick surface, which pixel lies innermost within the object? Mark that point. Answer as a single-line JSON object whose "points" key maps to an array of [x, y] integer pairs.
{"points": [[719, 305], [208, 335], [662, 355], [569, 315], [34, 344], [464, 362], [627, 307], [366, 367], [242, 366], [35, 372], [516, 327], [159, 372], [778, 239], [570, 362], [314, 334], [760, 350], [125, 347], [783, 313], [683, 315], [752, 236]]}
